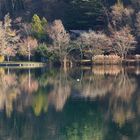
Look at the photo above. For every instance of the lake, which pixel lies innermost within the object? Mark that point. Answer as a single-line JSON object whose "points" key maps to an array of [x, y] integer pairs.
{"points": [[98, 103]]}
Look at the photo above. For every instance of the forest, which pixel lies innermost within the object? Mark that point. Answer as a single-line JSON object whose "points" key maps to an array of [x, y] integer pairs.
{"points": [[75, 14], [68, 31]]}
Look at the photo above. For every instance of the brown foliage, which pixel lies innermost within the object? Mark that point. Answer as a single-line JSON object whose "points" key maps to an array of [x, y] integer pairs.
{"points": [[60, 38], [123, 41], [28, 46], [121, 16], [94, 42]]}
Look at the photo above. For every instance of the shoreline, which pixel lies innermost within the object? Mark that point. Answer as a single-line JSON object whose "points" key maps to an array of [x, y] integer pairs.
{"points": [[22, 64], [32, 64]]}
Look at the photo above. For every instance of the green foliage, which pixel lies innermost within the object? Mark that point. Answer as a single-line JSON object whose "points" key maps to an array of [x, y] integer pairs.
{"points": [[36, 24], [84, 14], [44, 52], [44, 22], [39, 26]]}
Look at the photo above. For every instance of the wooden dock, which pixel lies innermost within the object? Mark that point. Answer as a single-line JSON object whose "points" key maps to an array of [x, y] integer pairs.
{"points": [[22, 64]]}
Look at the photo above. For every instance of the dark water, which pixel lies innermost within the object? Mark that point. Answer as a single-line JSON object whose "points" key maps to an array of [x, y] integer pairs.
{"points": [[100, 103]]}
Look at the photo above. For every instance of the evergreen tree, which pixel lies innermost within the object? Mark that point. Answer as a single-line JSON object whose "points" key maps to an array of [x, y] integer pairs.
{"points": [[37, 24], [39, 27]]}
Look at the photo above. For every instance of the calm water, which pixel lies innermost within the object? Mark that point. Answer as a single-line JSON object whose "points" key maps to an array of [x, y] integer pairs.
{"points": [[100, 103]]}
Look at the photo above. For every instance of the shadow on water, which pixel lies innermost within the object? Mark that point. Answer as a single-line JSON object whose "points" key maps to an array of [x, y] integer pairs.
{"points": [[99, 103]]}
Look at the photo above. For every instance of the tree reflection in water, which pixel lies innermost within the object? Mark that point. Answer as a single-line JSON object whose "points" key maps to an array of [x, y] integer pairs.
{"points": [[86, 104]]}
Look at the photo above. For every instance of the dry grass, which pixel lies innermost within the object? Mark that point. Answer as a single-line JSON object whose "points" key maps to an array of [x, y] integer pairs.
{"points": [[106, 59]]}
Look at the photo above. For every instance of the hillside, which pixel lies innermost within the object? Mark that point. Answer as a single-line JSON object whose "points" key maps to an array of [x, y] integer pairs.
{"points": [[75, 14]]}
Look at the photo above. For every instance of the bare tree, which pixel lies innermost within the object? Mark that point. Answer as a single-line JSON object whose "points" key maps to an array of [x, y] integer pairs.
{"points": [[8, 38], [60, 39], [123, 41], [121, 15], [2, 40], [95, 42], [28, 46]]}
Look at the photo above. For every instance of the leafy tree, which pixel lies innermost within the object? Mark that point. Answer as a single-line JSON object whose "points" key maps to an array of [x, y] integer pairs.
{"points": [[42, 50], [44, 23], [36, 24], [39, 26], [46, 54]]}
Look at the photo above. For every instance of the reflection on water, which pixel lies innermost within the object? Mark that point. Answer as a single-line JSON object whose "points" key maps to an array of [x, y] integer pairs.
{"points": [[99, 103]]}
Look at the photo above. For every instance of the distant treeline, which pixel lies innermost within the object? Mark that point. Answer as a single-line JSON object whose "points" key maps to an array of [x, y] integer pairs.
{"points": [[75, 14]]}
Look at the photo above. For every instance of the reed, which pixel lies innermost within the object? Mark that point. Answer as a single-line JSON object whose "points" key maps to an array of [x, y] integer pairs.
{"points": [[107, 59]]}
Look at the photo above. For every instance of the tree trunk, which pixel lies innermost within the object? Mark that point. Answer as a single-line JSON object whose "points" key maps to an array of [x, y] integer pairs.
{"points": [[65, 63], [92, 60], [29, 53], [122, 57], [8, 58], [29, 57], [71, 64]]}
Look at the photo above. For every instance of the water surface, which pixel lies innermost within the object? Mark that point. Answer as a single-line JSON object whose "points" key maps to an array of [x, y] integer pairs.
{"points": [[99, 103]]}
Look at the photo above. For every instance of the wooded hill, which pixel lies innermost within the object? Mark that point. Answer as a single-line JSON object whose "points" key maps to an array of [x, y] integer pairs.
{"points": [[75, 14]]}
